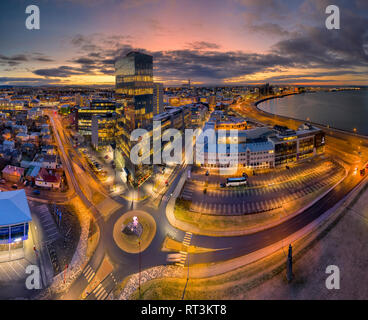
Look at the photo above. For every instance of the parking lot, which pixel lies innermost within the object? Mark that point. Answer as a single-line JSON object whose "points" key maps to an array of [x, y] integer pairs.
{"points": [[261, 194], [13, 270]]}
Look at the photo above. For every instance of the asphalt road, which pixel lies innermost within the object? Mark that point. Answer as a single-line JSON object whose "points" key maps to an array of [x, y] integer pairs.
{"points": [[126, 264]]}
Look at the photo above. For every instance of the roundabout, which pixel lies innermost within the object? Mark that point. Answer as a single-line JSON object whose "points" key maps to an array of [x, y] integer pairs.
{"points": [[134, 231]]}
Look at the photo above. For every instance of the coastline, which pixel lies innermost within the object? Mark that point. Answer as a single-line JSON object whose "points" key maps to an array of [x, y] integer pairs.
{"points": [[321, 126]]}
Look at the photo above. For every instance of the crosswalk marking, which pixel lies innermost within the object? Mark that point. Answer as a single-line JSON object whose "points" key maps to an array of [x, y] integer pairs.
{"points": [[100, 292], [186, 241], [183, 258], [187, 238], [88, 273]]}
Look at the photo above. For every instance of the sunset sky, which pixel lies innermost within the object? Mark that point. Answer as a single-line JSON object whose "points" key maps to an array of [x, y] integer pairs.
{"points": [[208, 41]]}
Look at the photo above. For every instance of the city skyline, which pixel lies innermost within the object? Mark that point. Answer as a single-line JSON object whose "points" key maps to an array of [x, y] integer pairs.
{"points": [[232, 43]]}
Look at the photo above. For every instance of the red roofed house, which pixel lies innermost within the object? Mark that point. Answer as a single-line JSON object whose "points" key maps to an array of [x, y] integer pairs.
{"points": [[47, 179]]}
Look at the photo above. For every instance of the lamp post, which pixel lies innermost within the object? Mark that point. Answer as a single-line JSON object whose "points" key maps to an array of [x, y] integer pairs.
{"points": [[113, 146], [289, 265], [139, 276], [186, 283]]}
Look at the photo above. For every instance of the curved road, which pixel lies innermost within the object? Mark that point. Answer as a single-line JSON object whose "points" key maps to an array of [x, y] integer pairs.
{"points": [[126, 264]]}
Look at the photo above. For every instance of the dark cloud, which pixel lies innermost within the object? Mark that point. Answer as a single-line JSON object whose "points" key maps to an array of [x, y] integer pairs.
{"points": [[298, 44], [85, 61], [12, 60], [202, 45], [269, 29], [27, 81], [18, 59], [43, 59], [60, 72], [319, 47]]}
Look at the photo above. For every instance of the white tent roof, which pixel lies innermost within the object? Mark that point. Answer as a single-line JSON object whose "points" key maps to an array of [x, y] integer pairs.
{"points": [[14, 208]]}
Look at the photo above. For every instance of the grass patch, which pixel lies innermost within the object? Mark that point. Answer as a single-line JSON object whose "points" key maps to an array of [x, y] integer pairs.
{"points": [[168, 289], [217, 223]]}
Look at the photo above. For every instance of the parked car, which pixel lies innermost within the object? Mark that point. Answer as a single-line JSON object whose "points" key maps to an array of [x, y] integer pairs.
{"points": [[2, 181], [14, 186]]}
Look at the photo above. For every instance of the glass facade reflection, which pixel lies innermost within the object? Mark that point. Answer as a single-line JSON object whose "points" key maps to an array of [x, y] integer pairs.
{"points": [[134, 80]]}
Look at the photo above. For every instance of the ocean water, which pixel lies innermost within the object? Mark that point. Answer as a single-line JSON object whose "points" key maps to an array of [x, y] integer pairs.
{"points": [[341, 109]]}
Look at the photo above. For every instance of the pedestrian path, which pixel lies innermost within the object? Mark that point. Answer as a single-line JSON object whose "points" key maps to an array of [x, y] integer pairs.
{"points": [[89, 273], [100, 292], [47, 222], [188, 191], [186, 241], [187, 238]]}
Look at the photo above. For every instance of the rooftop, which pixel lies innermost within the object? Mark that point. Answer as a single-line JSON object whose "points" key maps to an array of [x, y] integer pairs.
{"points": [[14, 208]]}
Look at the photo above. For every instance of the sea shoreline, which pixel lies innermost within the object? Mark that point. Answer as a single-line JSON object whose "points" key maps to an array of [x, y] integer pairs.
{"points": [[322, 126]]}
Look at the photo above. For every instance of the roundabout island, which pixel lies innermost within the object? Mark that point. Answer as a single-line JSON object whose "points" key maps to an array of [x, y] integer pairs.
{"points": [[134, 231]]}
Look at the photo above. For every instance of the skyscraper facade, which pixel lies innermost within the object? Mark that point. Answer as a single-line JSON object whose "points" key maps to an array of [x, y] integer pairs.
{"points": [[158, 98], [104, 110], [134, 81]]}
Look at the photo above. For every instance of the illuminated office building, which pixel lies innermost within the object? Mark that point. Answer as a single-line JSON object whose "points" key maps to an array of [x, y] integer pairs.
{"points": [[158, 98], [134, 80], [104, 111]]}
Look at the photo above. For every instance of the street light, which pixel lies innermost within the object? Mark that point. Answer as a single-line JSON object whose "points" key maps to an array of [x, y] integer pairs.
{"points": [[139, 276], [187, 280]]}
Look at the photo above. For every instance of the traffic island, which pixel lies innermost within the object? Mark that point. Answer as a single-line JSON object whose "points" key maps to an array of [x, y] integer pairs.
{"points": [[131, 236]]}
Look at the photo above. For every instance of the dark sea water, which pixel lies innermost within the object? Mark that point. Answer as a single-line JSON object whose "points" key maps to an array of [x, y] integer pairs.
{"points": [[342, 109]]}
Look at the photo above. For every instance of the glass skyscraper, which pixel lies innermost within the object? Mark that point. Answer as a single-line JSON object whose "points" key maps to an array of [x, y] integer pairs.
{"points": [[158, 98], [134, 81]]}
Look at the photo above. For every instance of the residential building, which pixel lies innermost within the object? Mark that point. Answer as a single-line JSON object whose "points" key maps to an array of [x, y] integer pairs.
{"points": [[47, 179], [13, 174]]}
